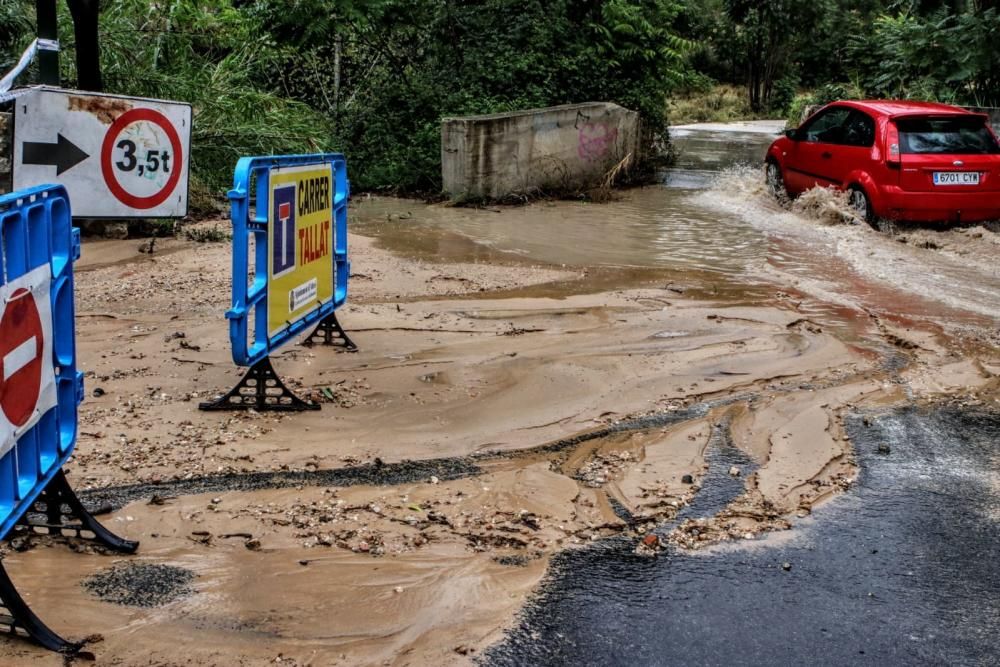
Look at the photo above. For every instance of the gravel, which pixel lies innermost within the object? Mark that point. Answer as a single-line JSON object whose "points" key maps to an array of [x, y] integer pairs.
{"points": [[135, 584]]}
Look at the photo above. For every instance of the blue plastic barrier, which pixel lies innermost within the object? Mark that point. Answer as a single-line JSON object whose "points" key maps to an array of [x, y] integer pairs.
{"points": [[38, 239], [251, 205]]}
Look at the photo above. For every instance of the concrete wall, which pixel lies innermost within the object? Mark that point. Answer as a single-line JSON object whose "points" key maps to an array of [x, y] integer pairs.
{"points": [[564, 148]]}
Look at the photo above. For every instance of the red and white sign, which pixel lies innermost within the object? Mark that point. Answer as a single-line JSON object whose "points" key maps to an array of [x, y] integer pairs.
{"points": [[27, 375], [118, 157]]}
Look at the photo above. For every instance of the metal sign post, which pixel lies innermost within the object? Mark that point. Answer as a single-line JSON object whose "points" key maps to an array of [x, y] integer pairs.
{"points": [[117, 157], [40, 388], [300, 270]]}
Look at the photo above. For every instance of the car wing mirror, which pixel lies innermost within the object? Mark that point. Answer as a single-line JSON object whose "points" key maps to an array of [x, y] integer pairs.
{"points": [[793, 134]]}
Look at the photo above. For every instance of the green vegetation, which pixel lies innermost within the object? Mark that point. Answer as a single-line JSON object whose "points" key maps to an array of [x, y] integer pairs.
{"points": [[373, 78], [369, 78], [834, 49]]}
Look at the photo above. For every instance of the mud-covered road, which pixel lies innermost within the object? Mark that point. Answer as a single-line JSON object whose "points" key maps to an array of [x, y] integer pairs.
{"points": [[899, 571], [572, 433]]}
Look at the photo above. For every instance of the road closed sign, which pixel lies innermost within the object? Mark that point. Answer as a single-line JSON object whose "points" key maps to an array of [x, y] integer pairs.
{"points": [[300, 243], [27, 377], [118, 157]]}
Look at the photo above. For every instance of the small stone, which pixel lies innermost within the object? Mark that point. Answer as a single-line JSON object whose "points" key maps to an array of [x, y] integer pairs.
{"points": [[651, 541], [786, 566], [687, 479], [435, 480], [884, 448], [363, 547], [98, 392], [252, 544], [734, 471], [748, 536], [398, 589]]}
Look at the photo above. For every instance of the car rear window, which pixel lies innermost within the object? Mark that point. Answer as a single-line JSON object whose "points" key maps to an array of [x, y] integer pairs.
{"points": [[961, 135]]}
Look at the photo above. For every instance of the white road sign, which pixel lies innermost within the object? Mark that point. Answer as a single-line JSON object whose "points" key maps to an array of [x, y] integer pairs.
{"points": [[118, 157]]}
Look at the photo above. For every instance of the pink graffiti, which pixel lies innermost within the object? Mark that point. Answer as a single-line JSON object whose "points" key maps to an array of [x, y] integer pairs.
{"points": [[596, 139]]}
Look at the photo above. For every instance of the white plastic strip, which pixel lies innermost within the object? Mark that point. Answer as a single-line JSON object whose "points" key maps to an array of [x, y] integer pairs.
{"points": [[22, 64]]}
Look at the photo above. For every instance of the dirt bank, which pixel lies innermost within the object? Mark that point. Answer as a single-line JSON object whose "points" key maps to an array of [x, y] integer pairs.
{"points": [[548, 409]]}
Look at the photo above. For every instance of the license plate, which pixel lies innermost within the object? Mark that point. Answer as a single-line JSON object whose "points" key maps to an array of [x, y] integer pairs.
{"points": [[956, 178]]}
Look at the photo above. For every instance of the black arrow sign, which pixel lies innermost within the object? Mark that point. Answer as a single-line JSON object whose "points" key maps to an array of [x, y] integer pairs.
{"points": [[63, 155]]}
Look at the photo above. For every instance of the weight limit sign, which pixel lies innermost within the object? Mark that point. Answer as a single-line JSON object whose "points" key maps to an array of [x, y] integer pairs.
{"points": [[141, 158], [118, 157]]}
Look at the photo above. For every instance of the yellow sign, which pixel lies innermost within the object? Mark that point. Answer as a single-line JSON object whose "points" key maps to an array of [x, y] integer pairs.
{"points": [[299, 244]]}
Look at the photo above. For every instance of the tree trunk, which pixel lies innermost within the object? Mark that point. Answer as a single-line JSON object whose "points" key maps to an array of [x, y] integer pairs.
{"points": [[88, 55]]}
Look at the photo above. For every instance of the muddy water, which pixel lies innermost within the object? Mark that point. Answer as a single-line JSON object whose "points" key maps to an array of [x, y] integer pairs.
{"points": [[712, 215]]}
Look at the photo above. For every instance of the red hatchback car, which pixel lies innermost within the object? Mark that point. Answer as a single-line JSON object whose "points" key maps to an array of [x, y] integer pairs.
{"points": [[899, 160]]}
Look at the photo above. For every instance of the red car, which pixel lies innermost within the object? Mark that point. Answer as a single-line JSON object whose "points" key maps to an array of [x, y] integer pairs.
{"points": [[899, 160]]}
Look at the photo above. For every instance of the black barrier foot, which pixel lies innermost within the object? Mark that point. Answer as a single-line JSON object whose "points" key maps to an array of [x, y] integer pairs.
{"points": [[16, 618], [329, 332], [260, 389], [57, 511]]}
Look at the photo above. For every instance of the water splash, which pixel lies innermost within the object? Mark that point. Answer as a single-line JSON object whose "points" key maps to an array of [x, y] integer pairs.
{"points": [[948, 274]]}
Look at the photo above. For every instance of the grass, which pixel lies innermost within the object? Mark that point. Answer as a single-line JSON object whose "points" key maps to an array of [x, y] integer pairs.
{"points": [[722, 103], [719, 104]]}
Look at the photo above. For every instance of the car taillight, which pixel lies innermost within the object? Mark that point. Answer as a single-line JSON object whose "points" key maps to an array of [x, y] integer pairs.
{"points": [[892, 142]]}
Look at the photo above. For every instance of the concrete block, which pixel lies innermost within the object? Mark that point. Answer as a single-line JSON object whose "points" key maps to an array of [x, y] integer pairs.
{"points": [[557, 149]]}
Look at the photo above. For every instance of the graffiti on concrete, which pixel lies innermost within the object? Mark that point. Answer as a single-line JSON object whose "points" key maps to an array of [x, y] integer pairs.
{"points": [[595, 140]]}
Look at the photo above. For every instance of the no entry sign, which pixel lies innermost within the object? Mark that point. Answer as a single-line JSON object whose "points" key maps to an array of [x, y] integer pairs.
{"points": [[27, 378], [118, 157]]}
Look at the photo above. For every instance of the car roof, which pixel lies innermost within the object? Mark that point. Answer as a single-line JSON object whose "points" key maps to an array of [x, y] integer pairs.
{"points": [[902, 108]]}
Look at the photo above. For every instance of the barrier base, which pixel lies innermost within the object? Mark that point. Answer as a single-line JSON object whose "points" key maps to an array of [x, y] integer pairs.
{"points": [[329, 332], [262, 390], [57, 511]]}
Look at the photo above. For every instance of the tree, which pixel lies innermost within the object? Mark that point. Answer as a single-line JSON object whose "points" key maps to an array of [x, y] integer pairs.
{"points": [[88, 56], [770, 32]]}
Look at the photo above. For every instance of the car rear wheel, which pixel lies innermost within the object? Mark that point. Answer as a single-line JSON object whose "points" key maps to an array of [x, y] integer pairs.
{"points": [[861, 205], [775, 181]]}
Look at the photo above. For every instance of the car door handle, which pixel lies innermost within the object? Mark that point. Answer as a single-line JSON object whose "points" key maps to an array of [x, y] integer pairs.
{"points": [[826, 155]]}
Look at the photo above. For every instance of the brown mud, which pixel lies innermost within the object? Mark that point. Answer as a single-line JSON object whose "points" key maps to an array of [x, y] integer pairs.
{"points": [[504, 405]]}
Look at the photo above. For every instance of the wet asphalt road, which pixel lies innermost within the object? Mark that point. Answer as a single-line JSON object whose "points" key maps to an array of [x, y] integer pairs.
{"points": [[902, 570]]}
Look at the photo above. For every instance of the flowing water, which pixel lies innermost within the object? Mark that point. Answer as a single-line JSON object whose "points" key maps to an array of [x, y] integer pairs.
{"points": [[711, 213]]}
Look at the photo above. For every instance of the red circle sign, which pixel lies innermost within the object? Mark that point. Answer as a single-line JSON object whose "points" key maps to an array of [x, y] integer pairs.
{"points": [[21, 344], [108, 167]]}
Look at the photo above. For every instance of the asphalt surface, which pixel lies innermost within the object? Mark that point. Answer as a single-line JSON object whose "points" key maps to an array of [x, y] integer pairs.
{"points": [[902, 570]]}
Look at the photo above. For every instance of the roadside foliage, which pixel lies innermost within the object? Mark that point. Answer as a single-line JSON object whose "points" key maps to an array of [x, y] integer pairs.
{"points": [[369, 78]]}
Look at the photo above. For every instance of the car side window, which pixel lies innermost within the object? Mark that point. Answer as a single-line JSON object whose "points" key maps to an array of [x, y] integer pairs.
{"points": [[827, 127], [859, 130]]}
